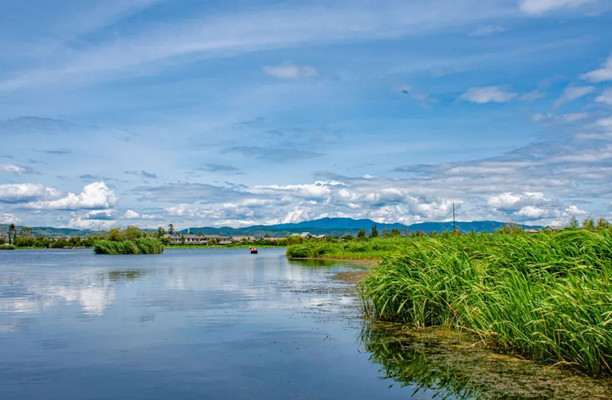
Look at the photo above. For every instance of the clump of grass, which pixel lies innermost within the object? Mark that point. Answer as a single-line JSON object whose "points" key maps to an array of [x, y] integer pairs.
{"points": [[145, 245], [7, 247], [546, 296]]}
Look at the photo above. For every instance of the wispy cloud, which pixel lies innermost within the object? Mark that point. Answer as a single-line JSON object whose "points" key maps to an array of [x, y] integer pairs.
{"points": [[290, 71], [605, 97], [219, 168], [142, 173], [488, 94], [207, 36], [537, 7], [602, 74], [487, 30], [12, 169], [273, 154], [572, 93]]}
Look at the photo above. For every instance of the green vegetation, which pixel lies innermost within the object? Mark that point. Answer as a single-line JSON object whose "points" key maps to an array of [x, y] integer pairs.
{"points": [[547, 296], [358, 249], [128, 241], [450, 364], [7, 247]]}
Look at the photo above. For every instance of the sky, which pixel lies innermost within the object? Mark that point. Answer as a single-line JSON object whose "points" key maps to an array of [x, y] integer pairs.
{"points": [[234, 113]]}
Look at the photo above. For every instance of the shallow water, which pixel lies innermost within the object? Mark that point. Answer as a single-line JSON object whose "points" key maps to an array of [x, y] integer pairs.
{"points": [[186, 324]]}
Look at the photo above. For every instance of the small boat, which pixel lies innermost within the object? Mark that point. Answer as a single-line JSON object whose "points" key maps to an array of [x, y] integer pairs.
{"points": [[253, 250]]}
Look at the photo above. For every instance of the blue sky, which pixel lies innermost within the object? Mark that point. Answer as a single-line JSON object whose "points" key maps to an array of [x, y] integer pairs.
{"points": [[236, 113]]}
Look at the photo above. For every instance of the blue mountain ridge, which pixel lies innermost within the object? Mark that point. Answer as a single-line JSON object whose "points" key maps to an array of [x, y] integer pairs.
{"points": [[341, 226]]}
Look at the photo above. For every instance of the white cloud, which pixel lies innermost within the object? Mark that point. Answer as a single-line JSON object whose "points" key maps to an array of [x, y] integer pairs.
{"points": [[12, 169], [84, 222], [572, 93], [290, 71], [602, 74], [488, 94], [533, 212], [487, 30], [94, 196], [131, 214], [212, 35], [21, 192], [572, 117], [512, 201], [535, 7], [605, 123], [8, 219], [605, 97], [575, 211]]}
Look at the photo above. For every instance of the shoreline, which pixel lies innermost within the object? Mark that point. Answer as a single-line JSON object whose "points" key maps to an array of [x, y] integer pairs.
{"points": [[458, 364]]}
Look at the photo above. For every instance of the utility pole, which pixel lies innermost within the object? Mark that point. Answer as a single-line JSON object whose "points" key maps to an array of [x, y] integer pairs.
{"points": [[453, 217]]}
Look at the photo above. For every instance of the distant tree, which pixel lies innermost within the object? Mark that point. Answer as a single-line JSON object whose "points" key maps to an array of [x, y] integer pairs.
{"points": [[394, 232], [115, 235], [573, 222], [602, 223], [11, 234], [171, 229], [160, 232], [374, 232], [361, 234], [588, 224], [25, 238], [182, 239]]}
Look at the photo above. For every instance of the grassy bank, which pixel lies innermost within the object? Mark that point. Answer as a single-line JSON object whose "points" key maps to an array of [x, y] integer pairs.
{"points": [[7, 247], [546, 296], [145, 245], [373, 249]]}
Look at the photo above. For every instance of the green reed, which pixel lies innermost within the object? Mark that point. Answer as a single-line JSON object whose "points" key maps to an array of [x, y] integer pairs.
{"points": [[546, 296]]}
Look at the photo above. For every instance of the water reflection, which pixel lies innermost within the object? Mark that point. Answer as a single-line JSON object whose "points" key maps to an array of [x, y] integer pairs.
{"points": [[93, 290], [450, 364]]}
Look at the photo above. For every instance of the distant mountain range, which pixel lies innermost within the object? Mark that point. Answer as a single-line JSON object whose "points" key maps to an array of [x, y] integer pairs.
{"points": [[326, 226], [342, 226]]}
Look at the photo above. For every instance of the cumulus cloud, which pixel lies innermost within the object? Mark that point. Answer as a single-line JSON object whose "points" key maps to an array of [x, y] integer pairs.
{"points": [[514, 201], [602, 74], [537, 7], [131, 214], [488, 94], [94, 196], [12, 169], [572, 93], [290, 71], [24, 192]]}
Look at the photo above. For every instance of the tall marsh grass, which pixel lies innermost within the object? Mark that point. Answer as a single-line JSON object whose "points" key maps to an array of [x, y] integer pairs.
{"points": [[546, 296], [144, 245]]}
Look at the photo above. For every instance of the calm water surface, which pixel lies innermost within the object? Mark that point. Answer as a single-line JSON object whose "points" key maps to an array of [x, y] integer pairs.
{"points": [[187, 324]]}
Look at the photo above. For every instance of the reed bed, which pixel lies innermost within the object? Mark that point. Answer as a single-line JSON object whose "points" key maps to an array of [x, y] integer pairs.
{"points": [[143, 245], [546, 296]]}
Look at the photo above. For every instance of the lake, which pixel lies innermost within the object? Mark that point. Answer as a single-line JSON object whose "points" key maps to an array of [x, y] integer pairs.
{"points": [[186, 324]]}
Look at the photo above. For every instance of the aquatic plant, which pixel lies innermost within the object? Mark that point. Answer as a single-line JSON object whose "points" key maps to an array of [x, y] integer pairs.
{"points": [[546, 296], [145, 245]]}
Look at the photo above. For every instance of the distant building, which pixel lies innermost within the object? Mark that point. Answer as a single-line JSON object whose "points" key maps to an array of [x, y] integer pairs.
{"points": [[198, 239]]}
